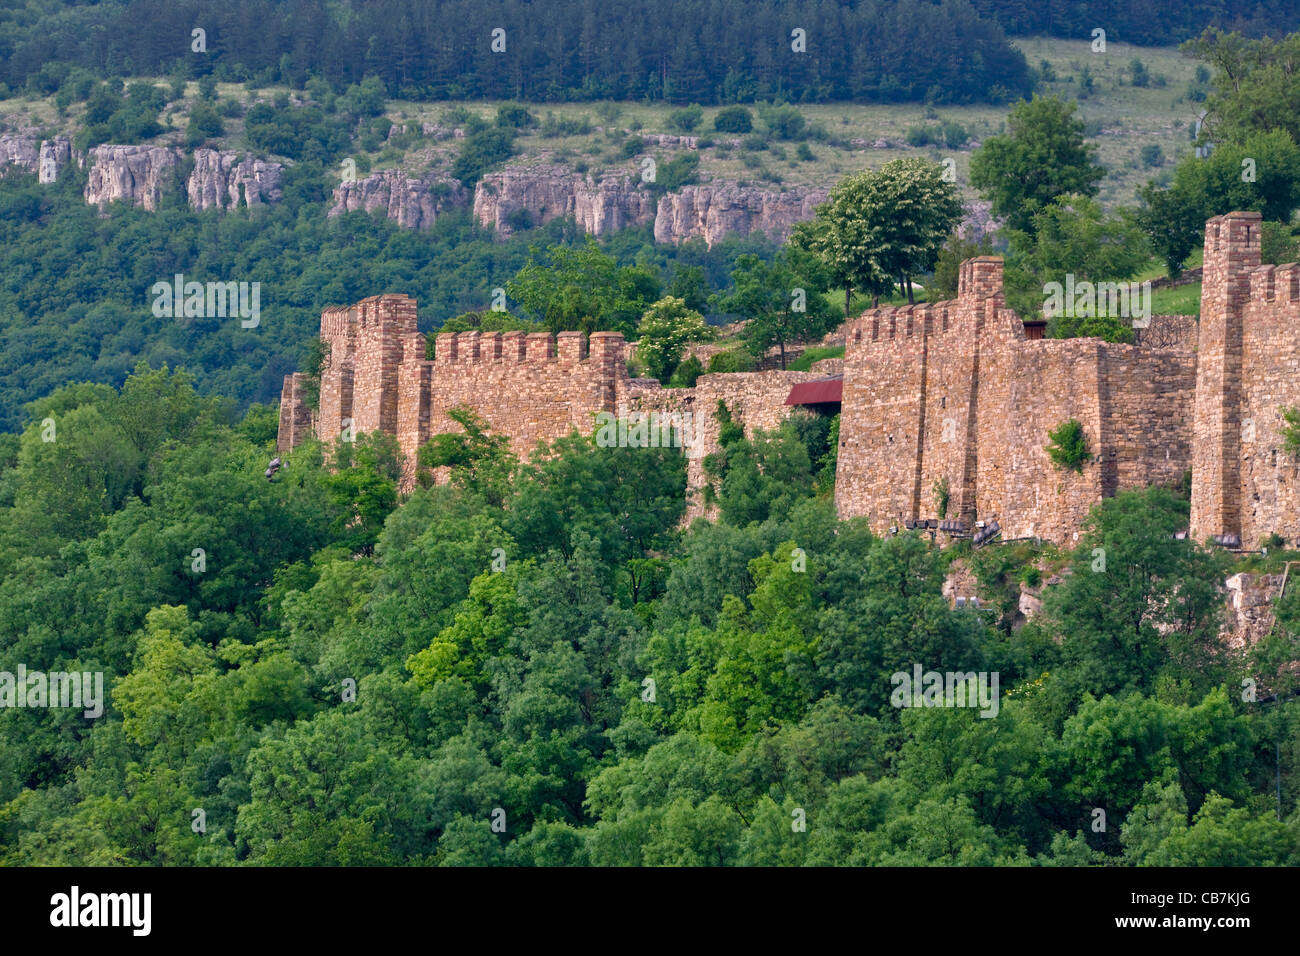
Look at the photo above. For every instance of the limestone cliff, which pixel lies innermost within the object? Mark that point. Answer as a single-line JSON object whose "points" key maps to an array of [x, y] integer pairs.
{"points": [[719, 209], [224, 180], [55, 154], [134, 174], [508, 198], [18, 150], [413, 203]]}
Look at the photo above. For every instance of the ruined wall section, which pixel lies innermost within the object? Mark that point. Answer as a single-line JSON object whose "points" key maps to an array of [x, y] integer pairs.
{"points": [[296, 420], [910, 412], [953, 393], [881, 420], [382, 325], [1027, 389], [338, 333], [755, 400], [1232, 244], [530, 388], [1270, 478], [1148, 397]]}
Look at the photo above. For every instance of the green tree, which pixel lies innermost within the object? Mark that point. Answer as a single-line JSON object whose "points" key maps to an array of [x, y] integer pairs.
{"points": [[733, 119], [1139, 603], [480, 152], [781, 300], [882, 226], [582, 288], [363, 487], [479, 462], [1074, 236], [1255, 84], [667, 327], [1261, 172], [1041, 156], [687, 118]]}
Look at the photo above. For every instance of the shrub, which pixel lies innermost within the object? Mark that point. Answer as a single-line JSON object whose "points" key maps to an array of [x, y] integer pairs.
{"points": [[1291, 431], [481, 152], [687, 118], [1067, 446], [205, 123], [690, 369], [1152, 155], [676, 173], [734, 119], [734, 360], [784, 122], [942, 495], [554, 126], [513, 116], [458, 117], [366, 98]]}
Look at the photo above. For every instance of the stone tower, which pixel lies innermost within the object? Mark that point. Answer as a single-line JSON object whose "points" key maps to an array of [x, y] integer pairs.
{"points": [[1232, 252]]}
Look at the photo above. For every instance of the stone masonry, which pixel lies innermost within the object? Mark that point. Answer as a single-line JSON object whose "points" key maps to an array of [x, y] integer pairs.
{"points": [[954, 393], [1243, 482], [949, 393]]}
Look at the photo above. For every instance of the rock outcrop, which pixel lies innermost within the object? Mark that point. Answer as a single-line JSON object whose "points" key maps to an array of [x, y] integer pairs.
{"points": [[19, 150], [224, 180], [1250, 605], [55, 154], [413, 203], [513, 197], [134, 174], [716, 210]]}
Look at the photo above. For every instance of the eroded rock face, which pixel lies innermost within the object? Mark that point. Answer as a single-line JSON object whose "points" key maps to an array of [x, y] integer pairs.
{"points": [[55, 154], [535, 196], [134, 174], [18, 150], [1250, 600], [413, 203], [224, 180], [714, 211]]}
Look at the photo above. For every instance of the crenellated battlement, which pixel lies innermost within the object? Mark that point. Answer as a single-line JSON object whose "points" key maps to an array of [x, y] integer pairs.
{"points": [[1275, 284], [947, 396], [530, 387]]}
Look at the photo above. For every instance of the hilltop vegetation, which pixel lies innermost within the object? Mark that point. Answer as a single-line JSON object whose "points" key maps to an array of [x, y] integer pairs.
{"points": [[567, 677]]}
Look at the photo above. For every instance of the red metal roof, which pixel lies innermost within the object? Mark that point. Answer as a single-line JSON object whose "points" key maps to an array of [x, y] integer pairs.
{"points": [[821, 392]]}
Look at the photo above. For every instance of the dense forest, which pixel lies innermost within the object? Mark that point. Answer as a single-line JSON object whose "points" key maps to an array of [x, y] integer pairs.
{"points": [[1148, 22], [943, 51], [875, 50], [551, 671]]}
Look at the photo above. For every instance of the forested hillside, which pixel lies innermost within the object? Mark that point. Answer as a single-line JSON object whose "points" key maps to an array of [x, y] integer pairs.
{"points": [[311, 657], [75, 286], [554, 673], [877, 50], [886, 50]]}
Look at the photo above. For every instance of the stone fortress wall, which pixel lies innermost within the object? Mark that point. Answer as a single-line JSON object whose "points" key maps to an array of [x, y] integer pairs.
{"points": [[944, 393]]}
